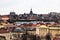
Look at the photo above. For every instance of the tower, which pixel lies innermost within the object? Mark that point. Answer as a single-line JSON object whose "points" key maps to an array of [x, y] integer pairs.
{"points": [[31, 12]]}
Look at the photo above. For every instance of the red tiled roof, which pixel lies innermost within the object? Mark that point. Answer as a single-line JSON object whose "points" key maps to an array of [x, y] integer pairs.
{"points": [[7, 30], [4, 16], [4, 31]]}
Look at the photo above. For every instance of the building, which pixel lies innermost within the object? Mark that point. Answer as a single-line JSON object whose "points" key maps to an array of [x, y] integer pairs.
{"points": [[13, 16], [26, 16], [4, 17], [43, 30]]}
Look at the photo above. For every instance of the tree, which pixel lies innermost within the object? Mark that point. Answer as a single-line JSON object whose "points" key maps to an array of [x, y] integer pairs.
{"points": [[48, 37], [38, 38]]}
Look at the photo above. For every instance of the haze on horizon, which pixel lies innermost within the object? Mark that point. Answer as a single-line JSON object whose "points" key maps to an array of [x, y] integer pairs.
{"points": [[24, 6]]}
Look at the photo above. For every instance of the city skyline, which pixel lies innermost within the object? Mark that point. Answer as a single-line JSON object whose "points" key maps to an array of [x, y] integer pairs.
{"points": [[24, 6]]}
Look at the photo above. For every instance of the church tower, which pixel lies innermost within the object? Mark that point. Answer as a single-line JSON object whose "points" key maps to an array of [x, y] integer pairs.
{"points": [[31, 12]]}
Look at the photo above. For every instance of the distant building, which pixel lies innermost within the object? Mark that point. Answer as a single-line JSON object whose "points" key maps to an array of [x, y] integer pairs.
{"points": [[13, 16], [53, 13], [30, 16], [12, 13], [4, 17], [52, 16]]}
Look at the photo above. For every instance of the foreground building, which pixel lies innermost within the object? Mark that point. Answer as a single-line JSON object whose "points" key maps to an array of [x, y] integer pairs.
{"points": [[43, 30]]}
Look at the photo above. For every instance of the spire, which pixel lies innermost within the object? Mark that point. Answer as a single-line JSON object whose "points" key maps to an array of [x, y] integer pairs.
{"points": [[31, 9], [31, 12]]}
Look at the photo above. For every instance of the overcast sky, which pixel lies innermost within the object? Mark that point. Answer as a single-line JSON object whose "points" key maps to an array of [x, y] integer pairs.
{"points": [[21, 6]]}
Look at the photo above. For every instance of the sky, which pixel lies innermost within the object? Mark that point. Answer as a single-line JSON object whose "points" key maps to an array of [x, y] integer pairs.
{"points": [[24, 6]]}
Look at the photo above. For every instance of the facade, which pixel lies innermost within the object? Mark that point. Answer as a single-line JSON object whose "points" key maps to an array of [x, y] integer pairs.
{"points": [[43, 31], [11, 36]]}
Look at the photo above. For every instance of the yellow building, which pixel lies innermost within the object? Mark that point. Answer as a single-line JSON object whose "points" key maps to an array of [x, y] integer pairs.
{"points": [[1, 26], [43, 30]]}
